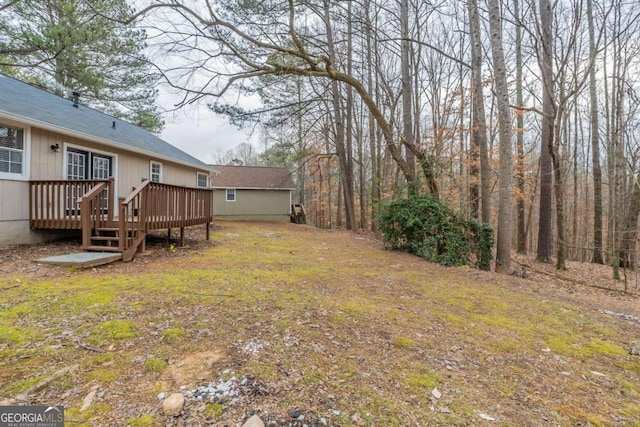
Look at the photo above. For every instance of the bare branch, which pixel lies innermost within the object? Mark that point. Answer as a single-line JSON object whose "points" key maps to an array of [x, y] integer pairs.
{"points": [[430, 46]]}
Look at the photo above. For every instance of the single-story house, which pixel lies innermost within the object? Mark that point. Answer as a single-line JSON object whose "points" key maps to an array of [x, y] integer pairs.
{"points": [[65, 166], [251, 192]]}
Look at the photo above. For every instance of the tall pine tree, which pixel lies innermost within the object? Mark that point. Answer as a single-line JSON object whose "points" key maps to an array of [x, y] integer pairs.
{"points": [[74, 45]]}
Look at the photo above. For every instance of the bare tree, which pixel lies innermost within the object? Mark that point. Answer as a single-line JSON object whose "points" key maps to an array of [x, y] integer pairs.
{"points": [[479, 123], [503, 259], [595, 144], [521, 245]]}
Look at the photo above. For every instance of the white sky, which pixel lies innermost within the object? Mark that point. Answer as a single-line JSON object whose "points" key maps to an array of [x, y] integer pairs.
{"points": [[194, 129], [199, 131]]}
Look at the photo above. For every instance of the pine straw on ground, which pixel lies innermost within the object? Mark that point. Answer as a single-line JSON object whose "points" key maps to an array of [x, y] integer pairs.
{"points": [[323, 324]]}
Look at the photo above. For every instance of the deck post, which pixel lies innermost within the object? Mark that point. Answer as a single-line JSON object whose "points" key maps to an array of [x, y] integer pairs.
{"points": [[208, 231], [181, 237], [168, 236], [110, 199]]}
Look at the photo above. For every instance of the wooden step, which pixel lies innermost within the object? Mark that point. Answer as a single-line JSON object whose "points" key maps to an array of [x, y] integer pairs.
{"points": [[102, 249], [106, 238], [110, 229]]}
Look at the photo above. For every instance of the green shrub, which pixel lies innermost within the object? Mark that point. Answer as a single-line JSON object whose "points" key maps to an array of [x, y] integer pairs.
{"points": [[428, 228]]}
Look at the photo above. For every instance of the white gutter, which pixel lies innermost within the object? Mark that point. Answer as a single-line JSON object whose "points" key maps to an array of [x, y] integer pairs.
{"points": [[250, 188]]}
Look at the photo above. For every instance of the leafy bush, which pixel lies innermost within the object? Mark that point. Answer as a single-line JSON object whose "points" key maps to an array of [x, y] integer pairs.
{"points": [[428, 228]]}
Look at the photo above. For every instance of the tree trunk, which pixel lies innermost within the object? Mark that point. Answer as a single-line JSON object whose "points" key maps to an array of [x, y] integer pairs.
{"points": [[343, 151], [548, 118], [503, 259], [521, 233], [479, 120], [407, 92], [373, 146], [595, 146], [628, 244]]}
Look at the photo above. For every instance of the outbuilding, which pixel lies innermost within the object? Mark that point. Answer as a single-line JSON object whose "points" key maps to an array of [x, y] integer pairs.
{"points": [[251, 192]]}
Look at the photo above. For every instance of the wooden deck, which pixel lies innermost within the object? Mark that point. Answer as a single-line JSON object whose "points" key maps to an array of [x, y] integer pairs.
{"points": [[88, 206]]}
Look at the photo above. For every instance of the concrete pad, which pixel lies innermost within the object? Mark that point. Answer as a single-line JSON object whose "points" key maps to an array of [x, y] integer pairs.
{"points": [[82, 259]]}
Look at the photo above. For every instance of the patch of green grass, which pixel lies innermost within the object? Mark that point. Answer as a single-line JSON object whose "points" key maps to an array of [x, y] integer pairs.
{"points": [[561, 344], [633, 409], [23, 385], [631, 388], [630, 366], [423, 379], [265, 371], [353, 307], [89, 417], [606, 348], [141, 421], [99, 296], [403, 342], [65, 382], [19, 336], [172, 335], [103, 375], [155, 365], [117, 329], [214, 410], [508, 344], [567, 345], [452, 318]]}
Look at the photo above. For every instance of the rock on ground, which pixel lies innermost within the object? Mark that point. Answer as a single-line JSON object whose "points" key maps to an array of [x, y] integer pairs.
{"points": [[173, 404], [254, 421]]}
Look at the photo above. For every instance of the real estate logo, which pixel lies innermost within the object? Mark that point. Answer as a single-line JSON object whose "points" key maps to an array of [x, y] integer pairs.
{"points": [[31, 416]]}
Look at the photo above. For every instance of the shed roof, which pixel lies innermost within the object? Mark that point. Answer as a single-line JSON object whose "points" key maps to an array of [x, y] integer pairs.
{"points": [[251, 177], [43, 109]]}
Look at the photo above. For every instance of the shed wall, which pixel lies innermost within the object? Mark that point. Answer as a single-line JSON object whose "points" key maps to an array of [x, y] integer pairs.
{"points": [[268, 205]]}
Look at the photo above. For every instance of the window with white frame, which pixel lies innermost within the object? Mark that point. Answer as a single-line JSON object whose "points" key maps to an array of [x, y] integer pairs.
{"points": [[202, 180], [12, 150], [82, 164], [231, 194], [156, 172]]}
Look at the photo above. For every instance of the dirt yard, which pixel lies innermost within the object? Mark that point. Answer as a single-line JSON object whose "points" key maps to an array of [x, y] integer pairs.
{"points": [[311, 327]]}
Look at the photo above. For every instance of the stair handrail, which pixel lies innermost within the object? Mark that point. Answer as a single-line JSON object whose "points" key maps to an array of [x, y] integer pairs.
{"points": [[132, 218], [94, 211]]}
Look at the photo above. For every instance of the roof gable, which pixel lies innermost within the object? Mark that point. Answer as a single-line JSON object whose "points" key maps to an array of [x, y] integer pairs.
{"points": [[251, 177], [39, 107]]}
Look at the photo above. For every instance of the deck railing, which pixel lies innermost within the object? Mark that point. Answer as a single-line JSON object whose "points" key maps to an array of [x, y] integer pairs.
{"points": [[154, 206], [170, 206], [55, 204]]}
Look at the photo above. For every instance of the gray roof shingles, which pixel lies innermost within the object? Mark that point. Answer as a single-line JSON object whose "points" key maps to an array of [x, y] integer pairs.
{"points": [[251, 177], [30, 103]]}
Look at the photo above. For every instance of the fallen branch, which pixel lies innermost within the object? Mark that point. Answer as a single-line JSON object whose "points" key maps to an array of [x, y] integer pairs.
{"points": [[9, 287], [86, 347], [575, 281], [45, 382]]}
